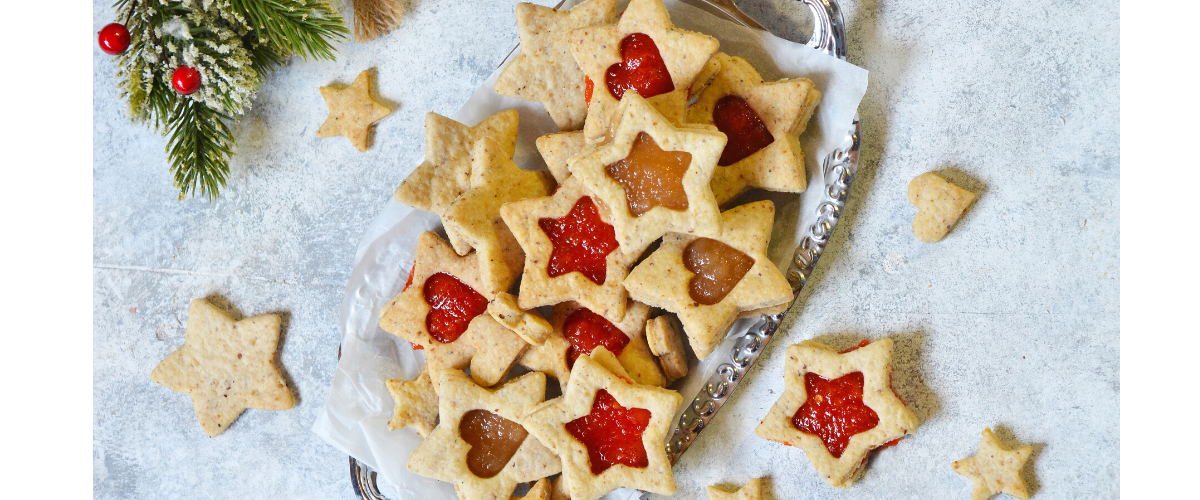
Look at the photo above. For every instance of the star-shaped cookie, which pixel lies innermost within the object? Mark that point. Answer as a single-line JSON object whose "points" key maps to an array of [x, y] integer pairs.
{"points": [[557, 422], [660, 185], [226, 366], [545, 70], [446, 172], [582, 225], [763, 122], [752, 490], [473, 220], [352, 111], [995, 469], [479, 444], [665, 280], [447, 293], [557, 149], [866, 369], [416, 403], [598, 50]]}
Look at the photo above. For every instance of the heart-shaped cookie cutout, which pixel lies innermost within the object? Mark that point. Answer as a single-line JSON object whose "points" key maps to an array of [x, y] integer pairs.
{"points": [[452, 306], [641, 69], [747, 133], [493, 439], [718, 268], [939, 205]]}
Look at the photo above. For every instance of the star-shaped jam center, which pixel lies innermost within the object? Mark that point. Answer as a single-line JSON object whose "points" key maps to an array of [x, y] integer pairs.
{"points": [[612, 433], [586, 330], [581, 242], [834, 410], [452, 306], [651, 176]]}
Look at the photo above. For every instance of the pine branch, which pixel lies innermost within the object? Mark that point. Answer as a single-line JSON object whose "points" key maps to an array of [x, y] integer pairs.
{"points": [[295, 26], [199, 148]]}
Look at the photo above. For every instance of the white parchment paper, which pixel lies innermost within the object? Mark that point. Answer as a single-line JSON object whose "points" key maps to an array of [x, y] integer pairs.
{"points": [[359, 406]]}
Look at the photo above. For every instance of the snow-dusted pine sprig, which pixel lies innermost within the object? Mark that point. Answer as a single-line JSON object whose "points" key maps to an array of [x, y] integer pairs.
{"points": [[233, 44]]}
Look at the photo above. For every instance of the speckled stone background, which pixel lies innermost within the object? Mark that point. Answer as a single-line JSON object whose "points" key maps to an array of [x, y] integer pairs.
{"points": [[1011, 322]]}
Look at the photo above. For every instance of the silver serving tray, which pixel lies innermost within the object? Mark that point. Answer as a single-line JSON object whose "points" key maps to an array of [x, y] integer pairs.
{"points": [[838, 170]]}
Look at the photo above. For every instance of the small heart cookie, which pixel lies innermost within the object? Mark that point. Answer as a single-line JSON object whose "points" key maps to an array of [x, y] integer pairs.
{"points": [[939, 205]]}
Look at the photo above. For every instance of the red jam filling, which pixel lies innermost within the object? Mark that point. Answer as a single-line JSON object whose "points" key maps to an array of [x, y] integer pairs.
{"points": [[410, 277], [586, 330], [493, 439], [581, 242], [718, 268], [612, 434], [652, 177], [834, 410], [641, 69], [741, 124], [452, 304], [588, 87]]}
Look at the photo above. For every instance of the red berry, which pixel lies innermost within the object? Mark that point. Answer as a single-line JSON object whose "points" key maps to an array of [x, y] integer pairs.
{"points": [[114, 39], [185, 80]]}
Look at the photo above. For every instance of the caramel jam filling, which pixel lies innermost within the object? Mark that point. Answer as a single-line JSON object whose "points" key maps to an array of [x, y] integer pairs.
{"points": [[718, 267], [651, 177], [493, 439]]}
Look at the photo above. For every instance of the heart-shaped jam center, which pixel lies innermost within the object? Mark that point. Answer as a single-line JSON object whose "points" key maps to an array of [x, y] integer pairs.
{"points": [[641, 69], [834, 410], [493, 439], [746, 131], [612, 433], [651, 176], [586, 330], [718, 268], [452, 305], [581, 242]]}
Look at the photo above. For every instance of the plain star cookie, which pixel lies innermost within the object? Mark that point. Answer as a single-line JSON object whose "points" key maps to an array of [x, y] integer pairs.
{"points": [[856, 385], [995, 469], [446, 172], [653, 176], [473, 220], [939, 205], [752, 490], [571, 251], [443, 310], [643, 52], [479, 445], [416, 403], [608, 432], [707, 282], [763, 122], [226, 366], [352, 111], [545, 70]]}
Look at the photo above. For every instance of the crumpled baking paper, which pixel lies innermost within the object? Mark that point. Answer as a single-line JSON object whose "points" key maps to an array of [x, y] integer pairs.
{"points": [[359, 406]]}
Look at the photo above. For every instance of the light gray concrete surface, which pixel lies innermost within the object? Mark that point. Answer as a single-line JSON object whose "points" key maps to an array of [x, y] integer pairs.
{"points": [[1011, 322]]}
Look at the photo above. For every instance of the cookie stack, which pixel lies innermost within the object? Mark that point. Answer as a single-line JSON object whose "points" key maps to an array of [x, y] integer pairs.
{"points": [[610, 272]]}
